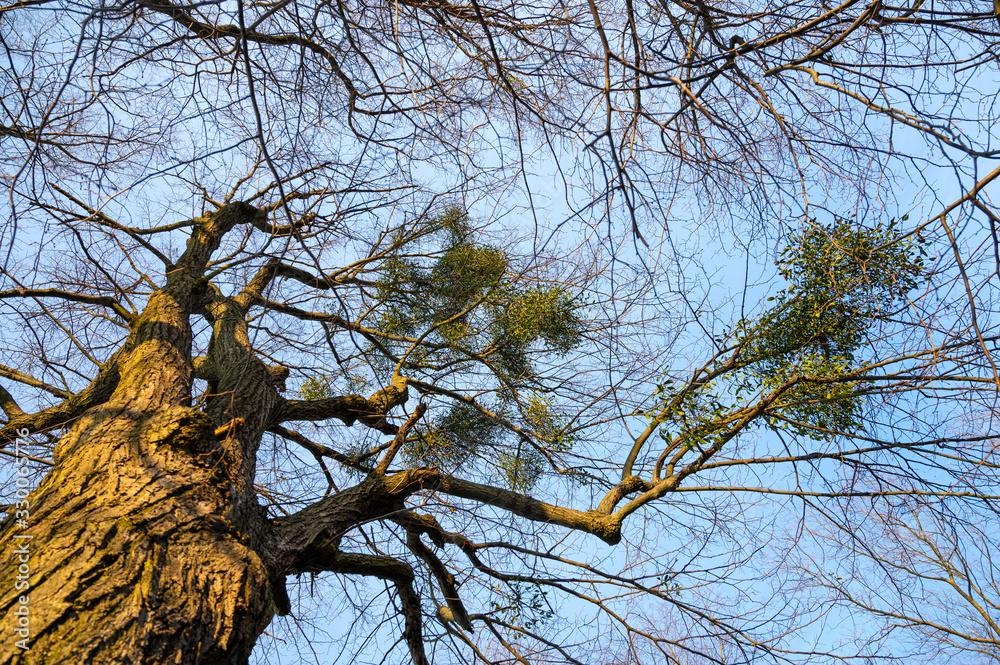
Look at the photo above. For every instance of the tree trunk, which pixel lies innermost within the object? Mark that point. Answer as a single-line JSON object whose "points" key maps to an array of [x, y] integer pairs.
{"points": [[146, 541], [130, 557]]}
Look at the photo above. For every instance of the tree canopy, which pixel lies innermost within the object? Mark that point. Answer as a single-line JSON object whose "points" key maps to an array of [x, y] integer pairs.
{"points": [[566, 332]]}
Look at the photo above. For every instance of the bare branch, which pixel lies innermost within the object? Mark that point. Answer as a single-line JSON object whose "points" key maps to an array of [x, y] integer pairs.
{"points": [[605, 527], [60, 415], [103, 301], [400, 439], [21, 377]]}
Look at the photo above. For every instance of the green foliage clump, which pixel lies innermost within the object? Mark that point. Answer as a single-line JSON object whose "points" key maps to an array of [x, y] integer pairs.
{"points": [[465, 296], [546, 312], [522, 316], [471, 309], [843, 279], [547, 426], [522, 603], [868, 270], [463, 273], [453, 438], [464, 433], [322, 387], [521, 468], [315, 388]]}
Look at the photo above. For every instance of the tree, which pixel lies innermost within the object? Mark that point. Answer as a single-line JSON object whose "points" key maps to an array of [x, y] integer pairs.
{"points": [[211, 204]]}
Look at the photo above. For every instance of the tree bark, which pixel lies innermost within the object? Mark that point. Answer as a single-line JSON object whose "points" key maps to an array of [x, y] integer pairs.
{"points": [[131, 559]]}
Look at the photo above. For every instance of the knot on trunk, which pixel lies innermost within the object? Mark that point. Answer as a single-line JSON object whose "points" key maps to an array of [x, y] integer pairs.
{"points": [[185, 429]]}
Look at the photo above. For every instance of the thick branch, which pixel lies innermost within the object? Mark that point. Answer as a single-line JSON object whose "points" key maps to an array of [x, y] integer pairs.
{"points": [[349, 408], [203, 368], [382, 567], [310, 280], [379, 496], [255, 287], [206, 236], [444, 578], [309, 542], [401, 575], [628, 486], [158, 368], [243, 387], [279, 230], [400, 439], [605, 527], [421, 523], [98, 392], [306, 538], [9, 405], [274, 268]]}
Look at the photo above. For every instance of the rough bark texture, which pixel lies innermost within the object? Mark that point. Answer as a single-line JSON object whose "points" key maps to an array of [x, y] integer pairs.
{"points": [[132, 560], [146, 546]]}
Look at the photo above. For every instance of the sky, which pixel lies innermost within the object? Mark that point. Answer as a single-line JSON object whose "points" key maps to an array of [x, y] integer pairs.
{"points": [[717, 268]]}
